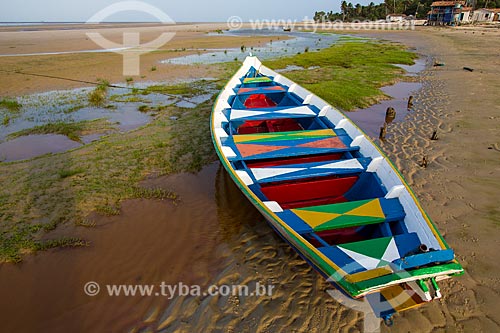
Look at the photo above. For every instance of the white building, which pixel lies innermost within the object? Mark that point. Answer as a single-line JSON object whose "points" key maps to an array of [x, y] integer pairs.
{"points": [[395, 17], [466, 15], [483, 15]]}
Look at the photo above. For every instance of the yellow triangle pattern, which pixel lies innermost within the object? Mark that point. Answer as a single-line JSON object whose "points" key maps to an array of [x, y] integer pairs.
{"points": [[314, 218], [371, 209]]}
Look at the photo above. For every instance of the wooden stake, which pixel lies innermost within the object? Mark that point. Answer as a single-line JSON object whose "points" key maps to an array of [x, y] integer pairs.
{"points": [[424, 162], [390, 115], [410, 102], [383, 132]]}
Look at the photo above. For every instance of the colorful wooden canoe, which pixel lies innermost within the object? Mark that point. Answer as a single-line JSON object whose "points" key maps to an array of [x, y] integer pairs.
{"points": [[329, 191]]}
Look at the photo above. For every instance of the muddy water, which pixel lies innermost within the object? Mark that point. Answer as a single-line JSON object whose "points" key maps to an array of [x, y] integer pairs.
{"points": [[34, 145]]}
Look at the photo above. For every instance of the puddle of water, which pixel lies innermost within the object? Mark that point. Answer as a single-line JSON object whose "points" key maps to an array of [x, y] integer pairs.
{"points": [[29, 146], [413, 70], [194, 101], [290, 68], [125, 115], [277, 48]]}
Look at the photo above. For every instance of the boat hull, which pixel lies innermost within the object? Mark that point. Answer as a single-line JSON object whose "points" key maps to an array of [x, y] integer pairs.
{"points": [[232, 148]]}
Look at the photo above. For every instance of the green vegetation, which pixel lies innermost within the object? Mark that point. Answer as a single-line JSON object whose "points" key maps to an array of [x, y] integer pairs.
{"points": [[349, 74], [73, 131], [11, 105], [68, 173], [153, 68], [143, 108], [129, 80], [127, 98], [98, 96]]}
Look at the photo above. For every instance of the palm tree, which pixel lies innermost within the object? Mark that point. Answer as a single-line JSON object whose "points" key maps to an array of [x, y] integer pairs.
{"points": [[343, 9]]}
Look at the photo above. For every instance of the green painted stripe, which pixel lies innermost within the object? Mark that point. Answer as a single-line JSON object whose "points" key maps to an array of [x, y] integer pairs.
{"points": [[257, 79], [347, 221], [382, 280]]}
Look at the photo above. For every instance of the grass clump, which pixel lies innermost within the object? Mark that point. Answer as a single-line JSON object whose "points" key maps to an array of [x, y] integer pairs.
{"points": [[128, 98], [143, 108], [152, 193], [59, 243], [98, 96], [11, 105], [107, 210], [73, 131], [69, 172], [350, 74]]}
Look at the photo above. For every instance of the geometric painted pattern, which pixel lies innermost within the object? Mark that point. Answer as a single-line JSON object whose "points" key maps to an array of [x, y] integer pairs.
{"points": [[299, 111], [260, 90], [305, 170], [278, 136], [294, 143], [374, 253], [341, 215]]}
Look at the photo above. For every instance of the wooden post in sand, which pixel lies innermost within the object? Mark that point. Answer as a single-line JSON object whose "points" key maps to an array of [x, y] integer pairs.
{"points": [[410, 102], [424, 162], [383, 132], [390, 115]]}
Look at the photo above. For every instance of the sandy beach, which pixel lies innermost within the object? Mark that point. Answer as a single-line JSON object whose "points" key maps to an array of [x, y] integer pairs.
{"points": [[459, 189], [189, 39]]}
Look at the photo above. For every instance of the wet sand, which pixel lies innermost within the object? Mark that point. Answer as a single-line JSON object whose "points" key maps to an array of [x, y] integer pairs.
{"points": [[460, 187], [214, 236]]}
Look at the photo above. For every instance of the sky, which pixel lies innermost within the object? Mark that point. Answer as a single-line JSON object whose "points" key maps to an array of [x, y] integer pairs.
{"points": [[178, 10]]}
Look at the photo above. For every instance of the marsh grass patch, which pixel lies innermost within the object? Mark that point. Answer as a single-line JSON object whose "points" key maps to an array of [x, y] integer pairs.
{"points": [[74, 131], [348, 75], [10, 104]]}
